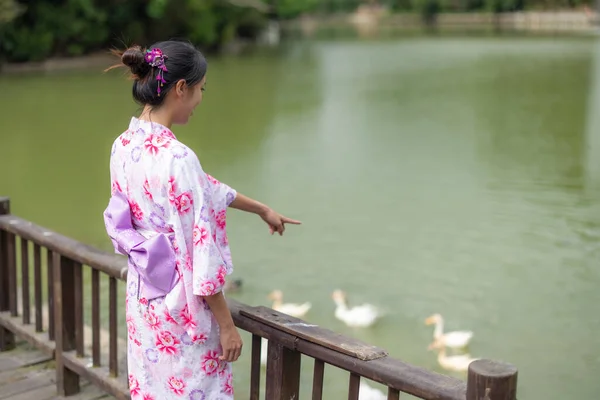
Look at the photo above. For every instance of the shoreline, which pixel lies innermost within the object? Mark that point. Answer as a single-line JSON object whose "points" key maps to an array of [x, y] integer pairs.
{"points": [[367, 22], [54, 64]]}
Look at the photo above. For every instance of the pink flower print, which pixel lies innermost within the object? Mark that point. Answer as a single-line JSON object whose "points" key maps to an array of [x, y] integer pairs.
{"points": [[184, 202], [174, 244], [199, 338], [224, 240], [210, 363], [166, 342], [148, 396], [152, 320], [169, 318], [147, 189], [153, 143], [167, 133], [200, 235], [172, 190], [221, 219], [131, 330], [126, 138], [228, 385], [115, 187], [208, 288], [136, 211], [134, 386], [143, 301], [212, 180], [221, 275], [186, 316], [188, 262], [176, 385]]}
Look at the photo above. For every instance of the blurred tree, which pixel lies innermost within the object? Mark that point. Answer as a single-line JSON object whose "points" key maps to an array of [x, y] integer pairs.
{"points": [[37, 29], [9, 10], [294, 8]]}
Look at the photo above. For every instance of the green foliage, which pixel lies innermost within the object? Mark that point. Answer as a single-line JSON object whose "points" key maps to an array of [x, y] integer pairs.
{"points": [[73, 27], [32, 30], [294, 8], [9, 10]]}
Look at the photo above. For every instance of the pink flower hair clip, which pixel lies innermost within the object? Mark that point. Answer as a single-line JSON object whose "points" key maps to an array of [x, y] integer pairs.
{"points": [[156, 58]]}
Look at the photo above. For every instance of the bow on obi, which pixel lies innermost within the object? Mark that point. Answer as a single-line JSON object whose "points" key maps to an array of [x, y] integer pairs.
{"points": [[153, 259]]}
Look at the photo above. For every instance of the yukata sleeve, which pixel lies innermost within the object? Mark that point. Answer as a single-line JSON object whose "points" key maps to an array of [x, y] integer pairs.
{"points": [[223, 195], [192, 203]]}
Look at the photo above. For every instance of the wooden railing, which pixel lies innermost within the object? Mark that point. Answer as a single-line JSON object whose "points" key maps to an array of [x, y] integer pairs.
{"points": [[62, 335]]}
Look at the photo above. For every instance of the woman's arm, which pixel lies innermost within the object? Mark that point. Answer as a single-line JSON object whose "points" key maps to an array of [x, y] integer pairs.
{"points": [[247, 204], [231, 341], [275, 220]]}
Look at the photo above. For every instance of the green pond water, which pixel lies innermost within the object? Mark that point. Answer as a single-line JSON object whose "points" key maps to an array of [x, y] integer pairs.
{"points": [[450, 175]]}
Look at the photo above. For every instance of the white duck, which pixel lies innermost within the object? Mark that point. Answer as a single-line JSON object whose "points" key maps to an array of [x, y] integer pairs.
{"points": [[358, 316], [367, 392], [454, 363], [294, 310], [456, 339]]}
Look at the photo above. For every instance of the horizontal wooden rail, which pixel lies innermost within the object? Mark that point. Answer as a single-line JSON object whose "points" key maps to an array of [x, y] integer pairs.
{"points": [[111, 264], [287, 337], [387, 370]]}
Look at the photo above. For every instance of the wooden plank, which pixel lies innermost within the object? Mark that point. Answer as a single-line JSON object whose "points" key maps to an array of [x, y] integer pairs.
{"points": [[393, 394], [20, 358], [41, 393], [50, 282], [318, 376], [113, 356], [25, 298], [492, 380], [100, 376], [314, 333], [27, 332], [28, 382], [95, 318], [29, 374], [255, 368], [11, 265], [67, 381], [283, 372], [88, 392], [353, 387], [7, 338], [37, 282]]}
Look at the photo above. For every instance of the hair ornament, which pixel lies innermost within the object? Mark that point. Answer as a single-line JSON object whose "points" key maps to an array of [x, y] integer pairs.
{"points": [[156, 58]]}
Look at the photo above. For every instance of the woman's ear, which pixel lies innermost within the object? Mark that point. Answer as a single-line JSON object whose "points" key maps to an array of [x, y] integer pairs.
{"points": [[180, 87]]}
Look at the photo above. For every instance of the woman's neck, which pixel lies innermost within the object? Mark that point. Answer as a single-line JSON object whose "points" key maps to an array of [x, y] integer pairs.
{"points": [[160, 115]]}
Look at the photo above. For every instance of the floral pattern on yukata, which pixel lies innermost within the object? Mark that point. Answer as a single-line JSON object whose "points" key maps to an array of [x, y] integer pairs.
{"points": [[173, 341]]}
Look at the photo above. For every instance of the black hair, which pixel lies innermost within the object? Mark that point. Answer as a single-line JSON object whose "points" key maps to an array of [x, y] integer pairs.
{"points": [[183, 61]]}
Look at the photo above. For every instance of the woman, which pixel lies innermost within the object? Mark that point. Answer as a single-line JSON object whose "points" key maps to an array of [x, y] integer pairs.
{"points": [[168, 216]]}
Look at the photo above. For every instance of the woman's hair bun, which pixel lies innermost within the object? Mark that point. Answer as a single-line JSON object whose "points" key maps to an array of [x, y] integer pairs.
{"points": [[133, 57]]}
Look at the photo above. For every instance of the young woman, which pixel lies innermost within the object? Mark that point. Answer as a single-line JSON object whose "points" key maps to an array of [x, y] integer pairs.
{"points": [[168, 216]]}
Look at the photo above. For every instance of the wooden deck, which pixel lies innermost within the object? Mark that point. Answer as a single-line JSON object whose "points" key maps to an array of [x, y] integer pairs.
{"points": [[28, 374]]}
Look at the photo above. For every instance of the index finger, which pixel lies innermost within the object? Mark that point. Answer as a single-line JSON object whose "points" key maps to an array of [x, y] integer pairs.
{"points": [[290, 221]]}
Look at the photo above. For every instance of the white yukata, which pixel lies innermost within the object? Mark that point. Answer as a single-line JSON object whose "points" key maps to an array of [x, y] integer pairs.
{"points": [[173, 341]]}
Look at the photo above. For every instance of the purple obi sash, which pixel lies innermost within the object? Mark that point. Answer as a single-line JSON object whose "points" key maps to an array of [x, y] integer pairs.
{"points": [[152, 259]]}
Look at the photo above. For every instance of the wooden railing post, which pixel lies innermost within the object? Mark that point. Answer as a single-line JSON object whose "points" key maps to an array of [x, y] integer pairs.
{"points": [[283, 372], [7, 338], [67, 381], [491, 380]]}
